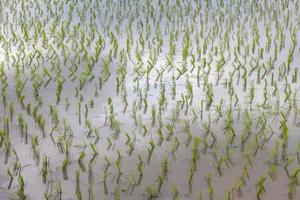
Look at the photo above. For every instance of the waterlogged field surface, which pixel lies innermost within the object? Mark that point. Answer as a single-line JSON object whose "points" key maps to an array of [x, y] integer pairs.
{"points": [[147, 99]]}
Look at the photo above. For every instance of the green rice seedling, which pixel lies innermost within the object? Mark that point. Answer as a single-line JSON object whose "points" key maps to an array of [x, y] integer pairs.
{"points": [[244, 76], [190, 179], [284, 135], [145, 105], [21, 190], [298, 152], [11, 178], [94, 149], [175, 146], [81, 164], [115, 125], [118, 86], [257, 144], [189, 88], [175, 192], [160, 136], [95, 154], [165, 168], [65, 168], [109, 143], [34, 146], [208, 179], [219, 165], [291, 191], [134, 113], [205, 144], [144, 130], [4, 96], [117, 194], [58, 190], [96, 131], [272, 171], [211, 192], [128, 138], [96, 94], [21, 124], [200, 196], [228, 156], [201, 111], [160, 183], [88, 124], [187, 132], [28, 109], [132, 182], [11, 111], [186, 104], [76, 92], [42, 123], [125, 102], [219, 110], [86, 111], [195, 151], [260, 188], [140, 169], [170, 130], [286, 165], [105, 183], [131, 148], [151, 192], [162, 102], [173, 88], [79, 112], [107, 164], [54, 116], [26, 133], [294, 177], [118, 164], [238, 188], [153, 116], [46, 195], [45, 169], [275, 151], [183, 100], [150, 150], [228, 195], [251, 95], [287, 93], [295, 76], [209, 96], [59, 143], [78, 189], [59, 89]]}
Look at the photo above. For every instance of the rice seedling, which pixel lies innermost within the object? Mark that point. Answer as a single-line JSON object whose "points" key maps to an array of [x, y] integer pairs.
{"points": [[35, 150], [150, 150], [45, 169], [175, 192], [260, 188], [107, 164], [272, 171], [190, 179], [21, 190], [104, 183], [78, 189], [151, 192], [65, 168], [81, 164]]}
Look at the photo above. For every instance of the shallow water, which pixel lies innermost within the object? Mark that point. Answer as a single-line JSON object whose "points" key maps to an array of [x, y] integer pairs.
{"points": [[174, 19]]}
